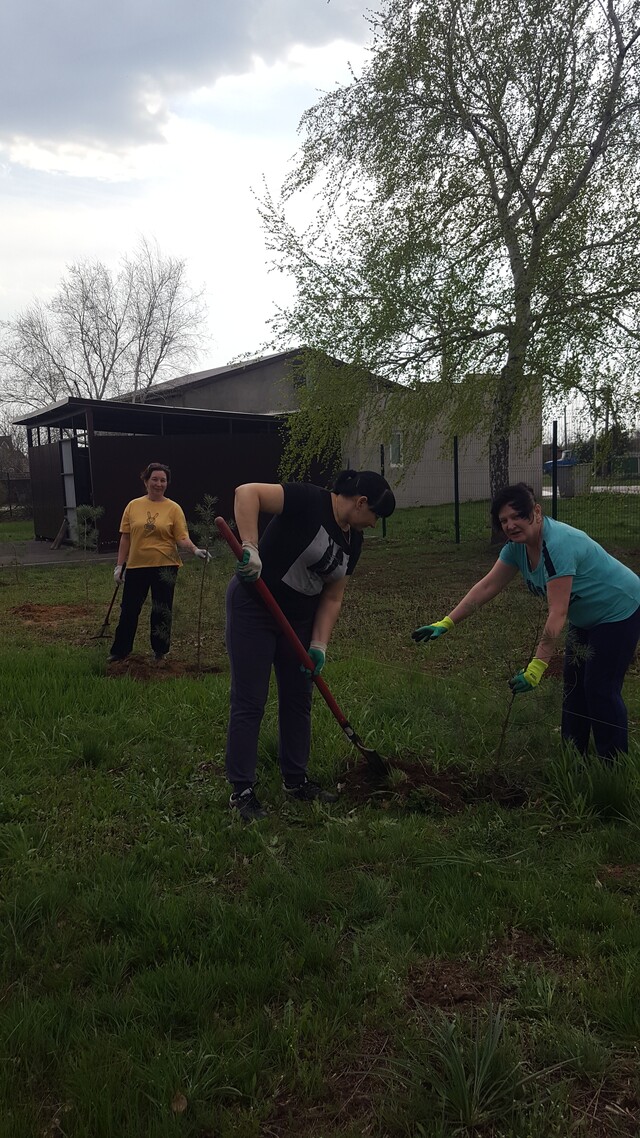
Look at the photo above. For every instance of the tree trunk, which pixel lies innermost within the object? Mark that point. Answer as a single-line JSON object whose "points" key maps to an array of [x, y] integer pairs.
{"points": [[503, 402], [498, 460]]}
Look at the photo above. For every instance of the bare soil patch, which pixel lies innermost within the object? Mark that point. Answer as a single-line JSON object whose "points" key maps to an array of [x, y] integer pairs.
{"points": [[620, 879], [465, 983], [611, 1110], [348, 1102], [419, 787], [80, 624], [52, 615]]}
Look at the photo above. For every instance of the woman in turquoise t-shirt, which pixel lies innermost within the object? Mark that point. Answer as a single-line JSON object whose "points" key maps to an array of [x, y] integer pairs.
{"points": [[598, 595]]}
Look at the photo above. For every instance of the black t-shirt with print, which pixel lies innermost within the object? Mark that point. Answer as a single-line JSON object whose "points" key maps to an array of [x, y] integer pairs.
{"points": [[303, 548]]}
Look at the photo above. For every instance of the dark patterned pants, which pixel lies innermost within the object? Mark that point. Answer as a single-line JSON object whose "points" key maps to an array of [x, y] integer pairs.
{"points": [[137, 582]]}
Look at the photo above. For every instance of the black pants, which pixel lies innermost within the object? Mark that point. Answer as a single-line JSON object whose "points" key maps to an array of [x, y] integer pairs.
{"points": [[137, 582], [255, 644], [595, 663]]}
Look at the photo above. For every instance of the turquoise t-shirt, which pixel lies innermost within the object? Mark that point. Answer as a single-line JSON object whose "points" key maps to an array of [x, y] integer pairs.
{"points": [[604, 590]]}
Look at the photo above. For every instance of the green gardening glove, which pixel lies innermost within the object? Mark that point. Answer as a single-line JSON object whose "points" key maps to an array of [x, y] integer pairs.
{"points": [[432, 631], [528, 678], [318, 654], [250, 567]]}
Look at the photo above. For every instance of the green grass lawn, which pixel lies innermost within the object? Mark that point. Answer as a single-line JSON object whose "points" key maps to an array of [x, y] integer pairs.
{"points": [[15, 530], [611, 519], [387, 966]]}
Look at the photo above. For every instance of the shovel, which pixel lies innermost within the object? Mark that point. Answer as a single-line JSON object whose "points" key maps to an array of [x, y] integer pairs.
{"points": [[376, 762]]}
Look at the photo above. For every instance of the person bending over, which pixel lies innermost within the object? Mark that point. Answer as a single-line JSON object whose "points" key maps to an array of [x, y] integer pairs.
{"points": [[596, 593], [305, 557]]}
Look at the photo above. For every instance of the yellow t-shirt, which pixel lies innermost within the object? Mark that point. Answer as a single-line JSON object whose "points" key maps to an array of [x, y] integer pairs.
{"points": [[154, 528]]}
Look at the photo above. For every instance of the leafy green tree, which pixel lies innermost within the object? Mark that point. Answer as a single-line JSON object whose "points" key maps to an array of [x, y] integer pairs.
{"points": [[603, 449], [477, 215]]}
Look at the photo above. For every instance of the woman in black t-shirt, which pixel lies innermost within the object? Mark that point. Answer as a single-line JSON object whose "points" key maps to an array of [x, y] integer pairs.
{"points": [[308, 550]]}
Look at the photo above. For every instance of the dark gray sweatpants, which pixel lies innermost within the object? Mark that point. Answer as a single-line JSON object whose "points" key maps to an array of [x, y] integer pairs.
{"points": [[255, 644]]}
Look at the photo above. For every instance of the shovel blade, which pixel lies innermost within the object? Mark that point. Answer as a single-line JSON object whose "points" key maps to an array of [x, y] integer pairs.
{"points": [[375, 761], [381, 766]]}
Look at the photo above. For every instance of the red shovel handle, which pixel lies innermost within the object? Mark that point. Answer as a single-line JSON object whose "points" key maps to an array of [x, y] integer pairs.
{"points": [[281, 620]]}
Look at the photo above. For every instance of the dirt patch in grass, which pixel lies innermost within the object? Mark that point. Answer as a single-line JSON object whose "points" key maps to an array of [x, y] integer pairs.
{"points": [[464, 983], [148, 670], [48, 620], [611, 1109], [348, 1103], [51, 615], [80, 624], [452, 984], [417, 786], [620, 878]]}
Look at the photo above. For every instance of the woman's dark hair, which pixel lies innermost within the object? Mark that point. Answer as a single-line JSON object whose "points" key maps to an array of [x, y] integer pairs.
{"points": [[148, 471], [375, 488], [520, 497]]}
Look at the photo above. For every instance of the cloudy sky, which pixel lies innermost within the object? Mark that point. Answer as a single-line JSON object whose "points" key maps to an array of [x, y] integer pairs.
{"points": [[158, 118]]}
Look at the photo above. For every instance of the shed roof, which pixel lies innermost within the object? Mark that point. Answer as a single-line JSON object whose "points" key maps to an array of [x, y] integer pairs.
{"points": [[116, 417], [199, 378]]}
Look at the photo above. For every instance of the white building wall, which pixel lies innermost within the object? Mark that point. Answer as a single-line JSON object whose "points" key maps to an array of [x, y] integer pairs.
{"points": [[430, 481]]}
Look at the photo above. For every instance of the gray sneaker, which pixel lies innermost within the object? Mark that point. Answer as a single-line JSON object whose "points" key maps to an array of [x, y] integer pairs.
{"points": [[309, 791], [248, 806]]}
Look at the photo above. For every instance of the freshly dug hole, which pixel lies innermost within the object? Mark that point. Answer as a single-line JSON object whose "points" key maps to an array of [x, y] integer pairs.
{"points": [[422, 788]]}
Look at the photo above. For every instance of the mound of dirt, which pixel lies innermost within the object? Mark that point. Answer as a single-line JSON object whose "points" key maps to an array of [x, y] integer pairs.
{"points": [[147, 669], [417, 786]]}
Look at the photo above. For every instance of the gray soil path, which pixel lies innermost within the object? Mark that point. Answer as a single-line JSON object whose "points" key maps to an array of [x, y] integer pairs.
{"points": [[40, 553]]}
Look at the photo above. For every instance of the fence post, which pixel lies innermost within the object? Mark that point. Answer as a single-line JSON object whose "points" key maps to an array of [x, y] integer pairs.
{"points": [[384, 520], [9, 495], [456, 490], [554, 470]]}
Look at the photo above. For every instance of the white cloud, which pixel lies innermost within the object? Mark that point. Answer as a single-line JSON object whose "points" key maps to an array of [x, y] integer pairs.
{"points": [[191, 190], [87, 72]]}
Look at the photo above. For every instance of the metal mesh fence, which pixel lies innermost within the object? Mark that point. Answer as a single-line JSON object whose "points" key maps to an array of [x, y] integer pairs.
{"points": [[448, 499], [596, 490], [15, 496]]}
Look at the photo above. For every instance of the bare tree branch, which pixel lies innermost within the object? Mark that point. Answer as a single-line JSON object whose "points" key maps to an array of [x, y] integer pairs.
{"points": [[104, 334]]}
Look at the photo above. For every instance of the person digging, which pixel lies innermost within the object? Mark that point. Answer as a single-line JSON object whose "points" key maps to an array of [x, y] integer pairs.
{"points": [[305, 557]]}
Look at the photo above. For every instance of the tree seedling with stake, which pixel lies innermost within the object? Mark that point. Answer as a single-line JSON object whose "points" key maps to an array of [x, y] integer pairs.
{"points": [[505, 723], [207, 534], [87, 518]]}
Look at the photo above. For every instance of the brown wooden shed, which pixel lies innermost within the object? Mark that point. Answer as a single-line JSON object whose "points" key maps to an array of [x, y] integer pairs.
{"points": [[91, 452]]}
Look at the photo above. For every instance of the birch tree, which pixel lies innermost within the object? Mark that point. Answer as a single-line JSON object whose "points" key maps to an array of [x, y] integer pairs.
{"points": [[476, 213]]}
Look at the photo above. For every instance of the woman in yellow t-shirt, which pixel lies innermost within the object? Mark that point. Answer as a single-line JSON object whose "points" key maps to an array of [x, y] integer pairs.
{"points": [[151, 530]]}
